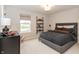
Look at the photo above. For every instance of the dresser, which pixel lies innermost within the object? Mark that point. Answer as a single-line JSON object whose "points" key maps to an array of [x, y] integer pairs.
{"points": [[10, 44]]}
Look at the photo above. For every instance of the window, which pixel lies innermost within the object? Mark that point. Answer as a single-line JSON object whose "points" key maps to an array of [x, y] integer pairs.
{"points": [[25, 26], [25, 23], [5, 21]]}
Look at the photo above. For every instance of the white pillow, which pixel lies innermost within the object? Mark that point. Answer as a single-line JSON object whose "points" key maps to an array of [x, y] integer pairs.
{"points": [[60, 26], [69, 26]]}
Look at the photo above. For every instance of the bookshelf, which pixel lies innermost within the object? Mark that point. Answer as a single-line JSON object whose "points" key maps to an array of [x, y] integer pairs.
{"points": [[39, 24]]}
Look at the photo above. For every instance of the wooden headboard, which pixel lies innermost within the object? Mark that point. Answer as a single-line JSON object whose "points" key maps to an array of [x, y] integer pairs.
{"points": [[67, 24], [62, 24]]}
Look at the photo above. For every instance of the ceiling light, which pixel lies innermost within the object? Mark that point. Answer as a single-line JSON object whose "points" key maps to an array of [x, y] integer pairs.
{"points": [[47, 7]]}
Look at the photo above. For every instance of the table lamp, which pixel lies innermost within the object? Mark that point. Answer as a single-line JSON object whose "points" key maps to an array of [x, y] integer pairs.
{"points": [[5, 22]]}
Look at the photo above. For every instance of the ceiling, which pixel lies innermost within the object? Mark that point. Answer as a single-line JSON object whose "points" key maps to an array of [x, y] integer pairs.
{"points": [[39, 9]]}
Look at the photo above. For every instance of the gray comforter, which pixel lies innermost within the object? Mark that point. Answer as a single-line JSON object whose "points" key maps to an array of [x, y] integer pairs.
{"points": [[58, 38]]}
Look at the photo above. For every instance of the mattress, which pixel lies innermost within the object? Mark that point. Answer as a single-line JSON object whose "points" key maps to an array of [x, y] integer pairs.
{"points": [[57, 37]]}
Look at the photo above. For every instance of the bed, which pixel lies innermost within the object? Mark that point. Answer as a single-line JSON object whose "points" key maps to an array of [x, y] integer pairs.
{"points": [[62, 38]]}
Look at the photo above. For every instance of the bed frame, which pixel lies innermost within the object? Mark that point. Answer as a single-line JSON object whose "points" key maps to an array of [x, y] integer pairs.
{"points": [[61, 49]]}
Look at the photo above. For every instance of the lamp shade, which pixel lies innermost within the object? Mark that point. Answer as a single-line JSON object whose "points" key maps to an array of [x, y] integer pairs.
{"points": [[5, 21]]}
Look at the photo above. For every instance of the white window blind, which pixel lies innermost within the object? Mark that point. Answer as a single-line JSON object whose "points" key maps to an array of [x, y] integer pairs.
{"points": [[25, 17]]}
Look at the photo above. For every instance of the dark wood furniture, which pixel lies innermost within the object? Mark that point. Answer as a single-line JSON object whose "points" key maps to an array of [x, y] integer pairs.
{"points": [[0, 46], [39, 24], [10, 44]]}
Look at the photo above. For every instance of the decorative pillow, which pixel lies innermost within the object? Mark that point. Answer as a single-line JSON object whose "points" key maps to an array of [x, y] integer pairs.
{"points": [[58, 28], [11, 33], [62, 31]]}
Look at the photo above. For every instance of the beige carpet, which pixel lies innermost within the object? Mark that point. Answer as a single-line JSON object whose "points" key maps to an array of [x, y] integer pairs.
{"points": [[36, 47]]}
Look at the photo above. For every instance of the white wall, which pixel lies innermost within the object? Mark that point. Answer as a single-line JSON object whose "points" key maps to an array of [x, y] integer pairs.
{"points": [[66, 16], [14, 14]]}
